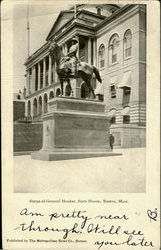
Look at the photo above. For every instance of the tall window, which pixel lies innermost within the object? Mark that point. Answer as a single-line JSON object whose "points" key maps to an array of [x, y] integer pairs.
{"points": [[127, 44], [113, 49], [126, 119], [101, 56], [113, 90], [41, 75], [113, 120], [47, 72], [36, 77]]}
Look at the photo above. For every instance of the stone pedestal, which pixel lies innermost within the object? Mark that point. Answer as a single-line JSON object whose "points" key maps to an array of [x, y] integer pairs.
{"points": [[129, 135], [74, 128]]}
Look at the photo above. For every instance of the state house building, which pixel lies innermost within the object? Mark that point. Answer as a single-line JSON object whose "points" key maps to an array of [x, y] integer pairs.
{"points": [[112, 38]]}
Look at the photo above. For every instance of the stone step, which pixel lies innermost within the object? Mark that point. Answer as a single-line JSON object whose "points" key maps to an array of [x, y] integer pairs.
{"points": [[59, 156]]}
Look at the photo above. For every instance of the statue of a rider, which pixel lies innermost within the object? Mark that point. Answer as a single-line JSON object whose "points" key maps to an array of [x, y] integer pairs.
{"points": [[72, 58]]}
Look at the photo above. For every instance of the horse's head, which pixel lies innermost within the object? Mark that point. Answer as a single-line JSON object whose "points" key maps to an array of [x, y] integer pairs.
{"points": [[54, 51], [53, 46]]}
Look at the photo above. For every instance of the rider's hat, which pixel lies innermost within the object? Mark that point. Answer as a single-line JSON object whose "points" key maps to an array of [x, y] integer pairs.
{"points": [[74, 40]]}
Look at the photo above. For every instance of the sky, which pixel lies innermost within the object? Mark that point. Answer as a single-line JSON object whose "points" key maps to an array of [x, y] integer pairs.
{"points": [[42, 16]]}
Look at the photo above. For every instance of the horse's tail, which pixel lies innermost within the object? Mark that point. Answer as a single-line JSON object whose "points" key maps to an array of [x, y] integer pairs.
{"points": [[98, 77]]}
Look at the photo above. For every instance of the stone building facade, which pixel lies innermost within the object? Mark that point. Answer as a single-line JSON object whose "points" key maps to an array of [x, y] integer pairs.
{"points": [[112, 38], [18, 106]]}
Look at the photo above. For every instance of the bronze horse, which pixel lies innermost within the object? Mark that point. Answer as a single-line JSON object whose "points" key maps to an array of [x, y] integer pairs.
{"points": [[84, 70]]}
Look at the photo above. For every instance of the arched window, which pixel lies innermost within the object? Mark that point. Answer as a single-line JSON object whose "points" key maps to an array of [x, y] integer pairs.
{"points": [[40, 105], [113, 49], [84, 91], [29, 109], [51, 95], [35, 107], [68, 90], [58, 92], [45, 103], [101, 56], [127, 44]]}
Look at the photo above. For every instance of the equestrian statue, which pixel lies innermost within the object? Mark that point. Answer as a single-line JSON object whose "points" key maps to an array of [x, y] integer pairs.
{"points": [[69, 66]]}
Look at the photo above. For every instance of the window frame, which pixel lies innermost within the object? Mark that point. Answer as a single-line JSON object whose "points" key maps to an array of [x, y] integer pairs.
{"points": [[113, 120], [113, 92], [127, 91], [124, 120], [113, 51], [100, 50], [127, 44]]}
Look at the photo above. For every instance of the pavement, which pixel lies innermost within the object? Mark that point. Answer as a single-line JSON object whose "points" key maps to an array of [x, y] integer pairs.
{"points": [[114, 174]]}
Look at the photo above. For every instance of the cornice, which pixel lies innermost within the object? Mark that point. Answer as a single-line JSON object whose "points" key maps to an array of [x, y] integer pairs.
{"points": [[115, 15], [74, 25], [37, 59], [75, 31], [118, 20], [37, 53]]}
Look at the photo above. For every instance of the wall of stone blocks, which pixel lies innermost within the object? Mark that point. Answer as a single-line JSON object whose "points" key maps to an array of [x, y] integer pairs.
{"points": [[142, 82], [129, 136], [27, 137], [18, 110]]}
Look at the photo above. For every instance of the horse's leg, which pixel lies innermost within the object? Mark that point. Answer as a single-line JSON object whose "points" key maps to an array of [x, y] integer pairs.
{"points": [[61, 84], [90, 89], [94, 96], [68, 81], [86, 78]]}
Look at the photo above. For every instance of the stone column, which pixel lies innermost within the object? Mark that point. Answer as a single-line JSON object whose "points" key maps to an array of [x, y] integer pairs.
{"points": [[33, 79], [65, 49], [77, 37], [56, 75], [26, 108], [95, 52], [44, 72], [38, 76], [78, 92], [75, 88], [53, 69], [89, 50], [49, 79], [31, 101]]}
